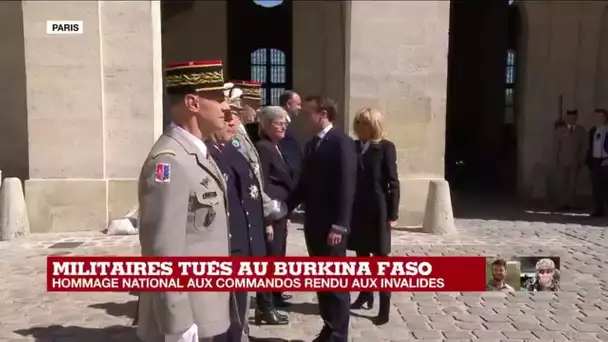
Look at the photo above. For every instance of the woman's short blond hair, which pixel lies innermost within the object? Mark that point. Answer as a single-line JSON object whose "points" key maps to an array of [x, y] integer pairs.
{"points": [[374, 119]]}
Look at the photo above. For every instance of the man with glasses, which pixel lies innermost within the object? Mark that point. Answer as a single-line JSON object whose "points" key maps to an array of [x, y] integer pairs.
{"points": [[182, 196]]}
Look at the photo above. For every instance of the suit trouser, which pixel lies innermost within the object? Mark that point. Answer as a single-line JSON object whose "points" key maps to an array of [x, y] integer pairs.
{"points": [[333, 306], [383, 295], [599, 186], [239, 318], [567, 179]]}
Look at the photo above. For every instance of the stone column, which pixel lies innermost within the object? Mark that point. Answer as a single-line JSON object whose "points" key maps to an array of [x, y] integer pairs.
{"points": [[94, 108], [397, 62]]}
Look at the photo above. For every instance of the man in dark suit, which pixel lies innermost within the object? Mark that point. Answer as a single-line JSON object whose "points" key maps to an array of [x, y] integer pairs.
{"points": [[597, 161], [327, 188], [291, 147]]}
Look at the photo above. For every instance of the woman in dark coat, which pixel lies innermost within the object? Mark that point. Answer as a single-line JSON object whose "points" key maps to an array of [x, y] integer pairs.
{"points": [[376, 204], [279, 180]]}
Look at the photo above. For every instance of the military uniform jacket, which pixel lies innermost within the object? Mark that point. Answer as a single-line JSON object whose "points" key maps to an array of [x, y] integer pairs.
{"points": [[244, 202], [183, 212], [243, 144]]}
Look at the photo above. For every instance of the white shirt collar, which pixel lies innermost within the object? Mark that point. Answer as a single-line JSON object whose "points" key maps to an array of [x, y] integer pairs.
{"points": [[323, 133], [195, 140]]}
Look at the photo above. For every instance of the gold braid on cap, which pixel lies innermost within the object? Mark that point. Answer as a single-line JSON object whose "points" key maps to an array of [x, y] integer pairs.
{"points": [[195, 78]]}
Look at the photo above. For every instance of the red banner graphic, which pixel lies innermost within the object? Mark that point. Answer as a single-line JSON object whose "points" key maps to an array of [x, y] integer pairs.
{"points": [[295, 274]]}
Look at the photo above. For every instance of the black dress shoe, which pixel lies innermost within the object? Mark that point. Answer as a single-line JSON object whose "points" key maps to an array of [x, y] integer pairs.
{"points": [[286, 297], [269, 317]]}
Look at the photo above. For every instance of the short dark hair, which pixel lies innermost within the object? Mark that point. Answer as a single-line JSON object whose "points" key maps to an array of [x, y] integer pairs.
{"points": [[500, 262], [572, 112], [285, 97], [325, 103], [602, 111]]}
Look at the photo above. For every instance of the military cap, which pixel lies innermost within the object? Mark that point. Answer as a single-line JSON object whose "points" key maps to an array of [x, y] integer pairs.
{"points": [[545, 264], [233, 95], [252, 90], [196, 76]]}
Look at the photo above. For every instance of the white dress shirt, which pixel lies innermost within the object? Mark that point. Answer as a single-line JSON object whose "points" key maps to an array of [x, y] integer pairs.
{"points": [[598, 142], [193, 139]]}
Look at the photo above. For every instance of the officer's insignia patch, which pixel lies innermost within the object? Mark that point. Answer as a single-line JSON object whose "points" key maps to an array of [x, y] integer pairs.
{"points": [[163, 173], [205, 181], [254, 193], [236, 143], [226, 177], [256, 169]]}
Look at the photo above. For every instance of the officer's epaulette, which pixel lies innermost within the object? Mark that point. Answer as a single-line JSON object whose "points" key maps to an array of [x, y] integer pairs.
{"points": [[161, 152]]}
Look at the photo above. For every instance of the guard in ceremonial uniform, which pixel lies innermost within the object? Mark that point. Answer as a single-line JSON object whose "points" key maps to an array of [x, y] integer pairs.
{"points": [[251, 98], [183, 209], [252, 101], [246, 219]]}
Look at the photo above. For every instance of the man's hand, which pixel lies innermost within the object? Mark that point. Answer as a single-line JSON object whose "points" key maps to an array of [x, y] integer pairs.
{"points": [[334, 239], [269, 233], [392, 224]]}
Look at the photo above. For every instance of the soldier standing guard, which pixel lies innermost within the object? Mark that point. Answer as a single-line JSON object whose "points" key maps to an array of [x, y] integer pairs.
{"points": [[182, 201]]}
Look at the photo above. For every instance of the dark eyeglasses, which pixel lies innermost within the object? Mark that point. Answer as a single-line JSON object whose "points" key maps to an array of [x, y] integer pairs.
{"points": [[545, 271]]}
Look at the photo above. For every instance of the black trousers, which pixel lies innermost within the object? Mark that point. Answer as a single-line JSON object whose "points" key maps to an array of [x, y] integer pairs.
{"points": [[333, 306], [386, 296], [278, 246], [599, 185]]}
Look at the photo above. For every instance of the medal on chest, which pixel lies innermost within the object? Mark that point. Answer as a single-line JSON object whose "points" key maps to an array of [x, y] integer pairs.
{"points": [[254, 192]]}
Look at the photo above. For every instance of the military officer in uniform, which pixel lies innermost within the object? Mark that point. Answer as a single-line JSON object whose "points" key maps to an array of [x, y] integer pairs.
{"points": [[246, 219], [251, 99], [182, 201]]}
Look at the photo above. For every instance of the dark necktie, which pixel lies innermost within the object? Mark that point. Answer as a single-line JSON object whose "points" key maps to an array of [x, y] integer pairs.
{"points": [[314, 144]]}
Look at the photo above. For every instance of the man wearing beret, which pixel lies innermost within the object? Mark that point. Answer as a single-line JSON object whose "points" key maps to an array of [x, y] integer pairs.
{"points": [[182, 202]]}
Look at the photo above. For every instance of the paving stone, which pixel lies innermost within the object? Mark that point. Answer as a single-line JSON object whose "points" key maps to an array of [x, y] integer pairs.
{"points": [[578, 313]]}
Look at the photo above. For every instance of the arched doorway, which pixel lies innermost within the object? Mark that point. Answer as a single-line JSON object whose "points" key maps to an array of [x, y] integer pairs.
{"points": [[481, 134], [260, 44]]}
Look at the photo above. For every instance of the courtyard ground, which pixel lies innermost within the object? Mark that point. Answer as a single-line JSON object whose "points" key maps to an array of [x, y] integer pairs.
{"points": [[578, 313]]}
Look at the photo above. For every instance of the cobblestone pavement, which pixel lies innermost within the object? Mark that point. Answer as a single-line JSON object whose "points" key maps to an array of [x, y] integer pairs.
{"points": [[578, 313]]}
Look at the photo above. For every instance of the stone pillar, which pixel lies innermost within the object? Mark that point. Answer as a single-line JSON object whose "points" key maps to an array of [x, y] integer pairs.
{"points": [[94, 108], [397, 62]]}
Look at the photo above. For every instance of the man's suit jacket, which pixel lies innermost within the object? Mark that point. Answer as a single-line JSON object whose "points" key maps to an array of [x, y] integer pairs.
{"points": [[591, 161], [182, 203], [292, 154], [327, 188], [278, 176]]}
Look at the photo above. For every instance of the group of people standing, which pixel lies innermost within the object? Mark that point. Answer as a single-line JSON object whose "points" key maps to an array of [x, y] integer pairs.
{"points": [[573, 148], [223, 180]]}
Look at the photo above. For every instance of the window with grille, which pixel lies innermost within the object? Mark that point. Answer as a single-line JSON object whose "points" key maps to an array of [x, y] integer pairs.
{"points": [[269, 67], [510, 87]]}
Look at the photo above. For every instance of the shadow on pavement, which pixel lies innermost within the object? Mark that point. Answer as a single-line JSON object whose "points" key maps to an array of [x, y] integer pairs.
{"points": [[302, 308], [73, 333], [127, 309], [512, 209], [358, 315]]}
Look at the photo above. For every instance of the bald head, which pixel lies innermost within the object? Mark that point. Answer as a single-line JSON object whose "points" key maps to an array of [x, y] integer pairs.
{"points": [[291, 102]]}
